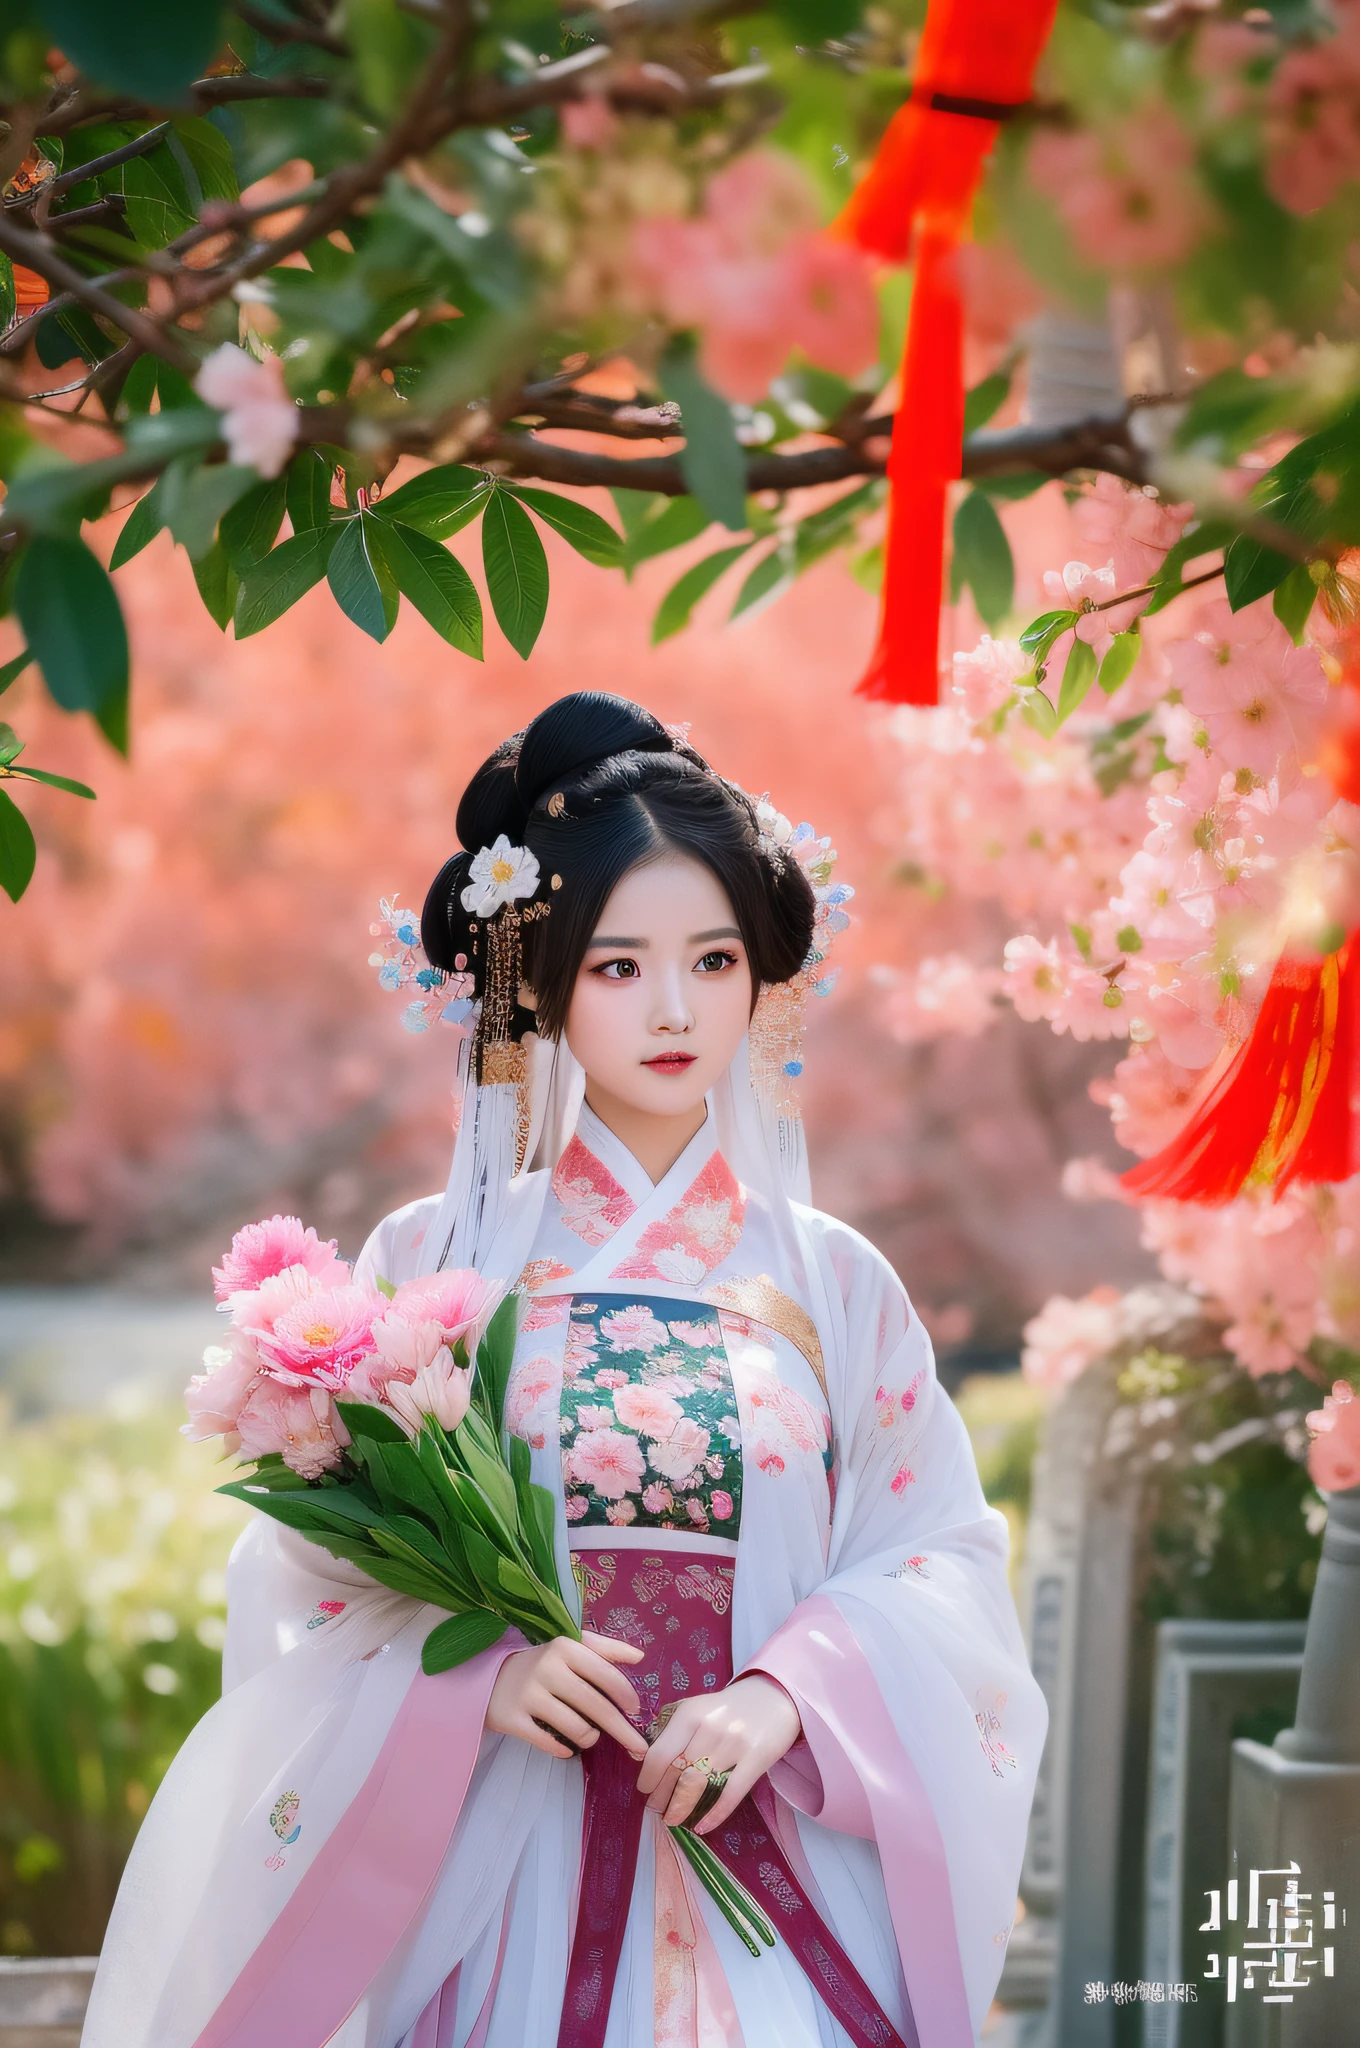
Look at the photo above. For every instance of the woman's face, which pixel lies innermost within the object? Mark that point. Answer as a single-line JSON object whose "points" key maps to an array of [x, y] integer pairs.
{"points": [[663, 996]]}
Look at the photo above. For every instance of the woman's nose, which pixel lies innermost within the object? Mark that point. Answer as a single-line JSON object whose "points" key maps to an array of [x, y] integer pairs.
{"points": [[671, 1011]]}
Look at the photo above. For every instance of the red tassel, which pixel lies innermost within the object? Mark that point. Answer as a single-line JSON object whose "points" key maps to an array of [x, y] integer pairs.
{"points": [[975, 55], [1284, 1107]]}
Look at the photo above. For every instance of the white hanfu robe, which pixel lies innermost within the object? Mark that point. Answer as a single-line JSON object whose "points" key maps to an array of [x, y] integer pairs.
{"points": [[341, 1853]]}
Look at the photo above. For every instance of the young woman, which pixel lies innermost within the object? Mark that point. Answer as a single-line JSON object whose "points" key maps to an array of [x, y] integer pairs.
{"points": [[798, 1633]]}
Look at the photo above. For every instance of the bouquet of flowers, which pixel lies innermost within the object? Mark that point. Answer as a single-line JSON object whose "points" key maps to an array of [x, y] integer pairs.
{"points": [[374, 1434]]}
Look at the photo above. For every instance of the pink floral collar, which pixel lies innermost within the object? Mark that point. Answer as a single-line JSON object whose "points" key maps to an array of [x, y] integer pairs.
{"points": [[695, 1230]]}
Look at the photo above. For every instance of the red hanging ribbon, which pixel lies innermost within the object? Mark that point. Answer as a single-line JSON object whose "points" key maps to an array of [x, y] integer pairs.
{"points": [[974, 67], [1284, 1106]]}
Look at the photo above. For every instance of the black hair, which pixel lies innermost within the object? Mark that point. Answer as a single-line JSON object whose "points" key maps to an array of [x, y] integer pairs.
{"points": [[596, 787]]}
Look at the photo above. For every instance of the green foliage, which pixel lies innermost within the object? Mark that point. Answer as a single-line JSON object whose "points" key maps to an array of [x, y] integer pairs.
{"points": [[516, 571], [113, 1549], [982, 559], [712, 461]]}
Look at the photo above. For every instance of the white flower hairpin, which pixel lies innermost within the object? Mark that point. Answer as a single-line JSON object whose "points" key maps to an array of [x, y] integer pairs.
{"points": [[500, 873]]}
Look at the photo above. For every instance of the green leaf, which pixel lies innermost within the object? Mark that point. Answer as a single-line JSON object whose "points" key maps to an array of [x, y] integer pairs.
{"points": [[56, 781], [1251, 570], [7, 298], [18, 849], [1038, 711], [1293, 601], [12, 670], [590, 535], [982, 558], [462, 1636], [516, 571], [712, 461], [308, 488], [386, 1288], [142, 525], [1039, 636], [673, 613], [1205, 537], [495, 1356], [11, 746], [360, 580], [435, 581], [286, 574], [154, 56], [73, 623], [194, 497], [679, 520], [1078, 676], [249, 528], [209, 155], [1010, 485], [438, 501], [984, 399], [1120, 658], [217, 583], [772, 575]]}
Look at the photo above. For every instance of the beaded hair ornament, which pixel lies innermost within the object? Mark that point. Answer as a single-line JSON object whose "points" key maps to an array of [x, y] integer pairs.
{"points": [[502, 875]]}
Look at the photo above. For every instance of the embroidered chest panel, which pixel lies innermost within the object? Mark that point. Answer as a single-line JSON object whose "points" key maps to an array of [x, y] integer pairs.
{"points": [[650, 1435]]}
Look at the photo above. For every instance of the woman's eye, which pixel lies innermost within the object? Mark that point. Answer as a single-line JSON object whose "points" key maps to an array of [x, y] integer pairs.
{"points": [[714, 963], [620, 970]]}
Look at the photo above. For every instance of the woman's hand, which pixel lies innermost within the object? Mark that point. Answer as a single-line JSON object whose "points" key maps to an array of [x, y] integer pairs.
{"points": [[570, 1690], [741, 1731]]}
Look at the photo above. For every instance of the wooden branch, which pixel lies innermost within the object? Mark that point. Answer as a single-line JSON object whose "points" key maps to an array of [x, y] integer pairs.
{"points": [[35, 252], [244, 85], [139, 146], [295, 31]]}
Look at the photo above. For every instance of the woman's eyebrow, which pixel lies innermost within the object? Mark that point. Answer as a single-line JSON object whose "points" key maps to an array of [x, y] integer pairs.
{"points": [[726, 931], [633, 945]]}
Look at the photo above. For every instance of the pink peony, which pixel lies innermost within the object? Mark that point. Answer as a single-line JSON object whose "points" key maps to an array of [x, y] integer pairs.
{"points": [[459, 1302], [532, 1385], [677, 1454], [320, 1340], [298, 1422], [595, 1418], [263, 1249], [607, 1460], [657, 1498], [643, 1409], [722, 1506], [215, 1398], [1334, 1454], [621, 1513], [259, 419]]}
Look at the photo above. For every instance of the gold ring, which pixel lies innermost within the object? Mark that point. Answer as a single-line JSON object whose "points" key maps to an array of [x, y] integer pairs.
{"points": [[700, 1763], [678, 1763]]}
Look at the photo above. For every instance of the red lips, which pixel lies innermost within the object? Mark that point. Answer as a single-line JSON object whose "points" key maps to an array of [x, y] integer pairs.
{"points": [[670, 1062]]}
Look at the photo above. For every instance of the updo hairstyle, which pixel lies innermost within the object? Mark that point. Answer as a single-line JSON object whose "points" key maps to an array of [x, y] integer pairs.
{"points": [[596, 787]]}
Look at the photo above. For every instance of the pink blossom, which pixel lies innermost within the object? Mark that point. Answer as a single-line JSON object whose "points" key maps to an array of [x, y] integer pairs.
{"points": [[1334, 1454], [259, 419], [657, 1498], [643, 1409], [1127, 190], [595, 1418], [1035, 977], [320, 1339], [261, 1250], [984, 678], [532, 1384], [298, 1422], [1066, 1336], [1260, 697], [609, 1377], [902, 1478], [1149, 1098], [722, 1506], [676, 1455], [633, 1329], [1135, 528], [945, 992], [403, 1347], [576, 1506], [215, 1397], [767, 1458], [440, 1390], [608, 1460], [697, 1513], [621, 1513], [753, 275], [1313, 120], [694, 1334]]}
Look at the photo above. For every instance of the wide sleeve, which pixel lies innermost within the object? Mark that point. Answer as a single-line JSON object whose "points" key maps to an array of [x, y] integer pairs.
{"points": [[922, 1723]]}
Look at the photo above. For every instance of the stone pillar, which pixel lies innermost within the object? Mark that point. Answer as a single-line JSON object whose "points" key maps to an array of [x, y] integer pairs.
{"points": [[1298, 1802]]}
